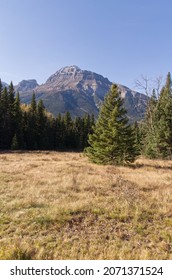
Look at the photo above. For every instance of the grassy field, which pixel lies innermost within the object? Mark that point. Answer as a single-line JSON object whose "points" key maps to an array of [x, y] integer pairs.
{"points": [[60, 206]]}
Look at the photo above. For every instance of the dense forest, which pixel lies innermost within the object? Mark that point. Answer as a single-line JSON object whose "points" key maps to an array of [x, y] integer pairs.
{"points": [[31, 127]]}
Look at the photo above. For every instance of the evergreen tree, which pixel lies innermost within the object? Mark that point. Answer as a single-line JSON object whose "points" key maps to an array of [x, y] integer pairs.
{"points": [[158, 124], [164, 120], [149, 128], [15, 144], [112, 141], [18, 118], [60, 132], [11, 113], [69, 133], [138, 134], [25, 130], [31, 126], [5, 120], [42, 126], [1, 88], [79, 133], [11, 94], [33, 103]]}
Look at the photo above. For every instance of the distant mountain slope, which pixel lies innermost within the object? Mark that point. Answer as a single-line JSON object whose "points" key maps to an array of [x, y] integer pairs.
{"points": [[4, 84], [79, 92], [26, 85]]}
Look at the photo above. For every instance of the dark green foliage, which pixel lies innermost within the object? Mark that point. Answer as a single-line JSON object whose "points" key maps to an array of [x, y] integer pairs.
{"points": [[33, 128], [33, 104], [138, 135], [67, 127], [41, 126], [6, 119], [164, 120], [112, 141], [158, 124], [18, 125], [15, 144], [149, 128], [0, 88]]}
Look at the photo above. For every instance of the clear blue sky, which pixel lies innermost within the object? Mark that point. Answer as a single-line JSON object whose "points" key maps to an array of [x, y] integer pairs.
{"points": [[120, 39]]}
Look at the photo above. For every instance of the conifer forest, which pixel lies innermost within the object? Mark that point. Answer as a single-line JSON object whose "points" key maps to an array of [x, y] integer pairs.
{"points": [[110, 139]]}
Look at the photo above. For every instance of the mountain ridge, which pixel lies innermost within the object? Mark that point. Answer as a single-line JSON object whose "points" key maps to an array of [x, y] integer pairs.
{"points": [[79, 92]]}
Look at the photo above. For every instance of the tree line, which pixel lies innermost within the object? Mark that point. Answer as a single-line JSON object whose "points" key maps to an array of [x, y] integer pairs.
{"points": [[155, 139], [109, 140], [114, 141], [31, 127]]}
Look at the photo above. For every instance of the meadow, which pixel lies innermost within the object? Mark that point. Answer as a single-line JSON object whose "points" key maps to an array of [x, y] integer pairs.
{"points": [[60, 206]]}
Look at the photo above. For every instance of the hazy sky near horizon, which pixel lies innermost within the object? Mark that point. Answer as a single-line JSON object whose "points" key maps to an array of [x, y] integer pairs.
{"points": [[119, 39]]}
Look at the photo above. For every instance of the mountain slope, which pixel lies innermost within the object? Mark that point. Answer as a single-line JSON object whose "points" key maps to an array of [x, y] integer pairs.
{"points": [[26, 85], [79, 92], [4, 84]]}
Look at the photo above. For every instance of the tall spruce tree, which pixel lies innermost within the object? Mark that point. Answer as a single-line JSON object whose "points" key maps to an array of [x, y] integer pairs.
{"points": [[69, 134], [157, 127], [31, 127], [18, 121], [42, 126], [1, 88], [5, 119], [112, 141], [149, 129], [164, 120]]}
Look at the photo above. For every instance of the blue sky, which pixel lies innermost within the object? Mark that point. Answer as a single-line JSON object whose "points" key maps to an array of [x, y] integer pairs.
{"points": [[120, 39]]}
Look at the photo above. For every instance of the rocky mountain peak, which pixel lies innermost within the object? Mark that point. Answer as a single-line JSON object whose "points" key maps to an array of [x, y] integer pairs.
{"points": [[69, 69], [79, 92], [67, 72], [72, 77], [26, 85]]}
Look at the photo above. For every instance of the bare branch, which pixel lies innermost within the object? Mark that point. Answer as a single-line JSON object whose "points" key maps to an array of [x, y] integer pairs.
{"points": [[143, 84], [158, 84]]}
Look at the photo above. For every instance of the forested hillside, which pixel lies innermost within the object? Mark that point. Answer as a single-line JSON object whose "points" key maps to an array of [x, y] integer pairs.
{"points": [[31, 127]]}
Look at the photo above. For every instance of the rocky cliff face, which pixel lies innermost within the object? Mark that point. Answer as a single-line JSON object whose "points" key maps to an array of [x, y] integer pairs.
{"points": [[26, 85], [79, 92], [4, 84]]}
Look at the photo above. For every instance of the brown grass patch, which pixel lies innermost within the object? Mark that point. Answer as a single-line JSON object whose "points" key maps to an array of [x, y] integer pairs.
{"points": [[60, 206]]}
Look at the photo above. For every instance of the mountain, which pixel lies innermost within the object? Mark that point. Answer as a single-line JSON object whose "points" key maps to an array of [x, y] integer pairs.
{"points": [[79, 92], [4, 84], [26, 85]]}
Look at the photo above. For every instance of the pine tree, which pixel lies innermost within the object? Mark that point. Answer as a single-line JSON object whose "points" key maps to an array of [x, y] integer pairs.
{"points": [[42, 126], [164, 120], [11, 113], [1, 88], [69, 133], [157, 128], [31, 126], [149, 128], [5, 135], [60, 133], [11, 94], [138, 134], [33, 103], [18, 118], [112, 141], [15, 144]]}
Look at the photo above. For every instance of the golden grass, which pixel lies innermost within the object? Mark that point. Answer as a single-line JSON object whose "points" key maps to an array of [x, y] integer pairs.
{"points": [[61, 206]]}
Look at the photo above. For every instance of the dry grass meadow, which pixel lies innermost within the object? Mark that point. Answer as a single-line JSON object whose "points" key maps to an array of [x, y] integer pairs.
{"points": [[59, 206]]}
